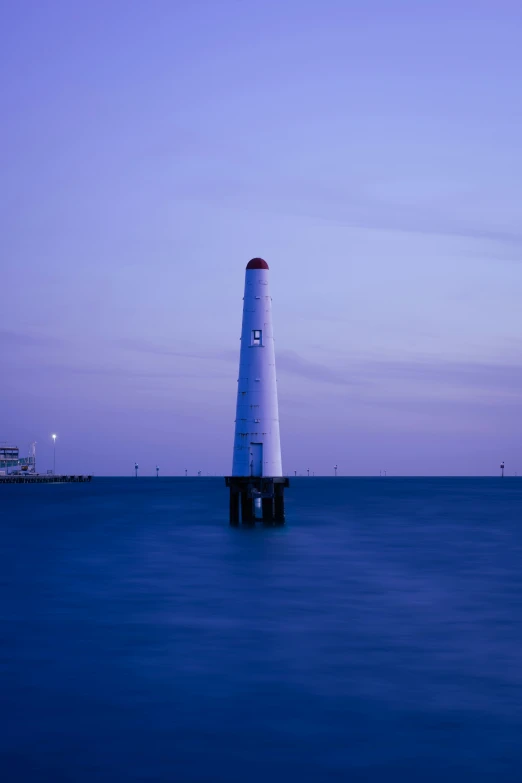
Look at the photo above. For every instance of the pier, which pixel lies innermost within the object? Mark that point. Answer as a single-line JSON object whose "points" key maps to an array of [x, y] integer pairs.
{"points": [[35, 478]]}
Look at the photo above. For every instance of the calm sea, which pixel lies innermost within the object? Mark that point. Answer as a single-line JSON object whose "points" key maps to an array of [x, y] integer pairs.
{"points": [[376, 637]]}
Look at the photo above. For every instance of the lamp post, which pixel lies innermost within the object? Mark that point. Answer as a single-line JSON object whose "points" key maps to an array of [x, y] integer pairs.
{"points": [[54, 454]]}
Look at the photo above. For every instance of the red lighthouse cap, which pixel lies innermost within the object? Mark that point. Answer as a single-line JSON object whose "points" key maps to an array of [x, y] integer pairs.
{"points": [[257, 263]]}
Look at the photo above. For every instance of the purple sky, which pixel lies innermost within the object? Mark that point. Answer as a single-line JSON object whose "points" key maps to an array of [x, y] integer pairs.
{"points": [[371, 152]]}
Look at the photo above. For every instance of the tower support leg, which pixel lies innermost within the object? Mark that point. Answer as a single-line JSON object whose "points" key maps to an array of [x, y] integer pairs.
{"points": [[268, 510], [234, 507], [279, 504], [247, 508]]}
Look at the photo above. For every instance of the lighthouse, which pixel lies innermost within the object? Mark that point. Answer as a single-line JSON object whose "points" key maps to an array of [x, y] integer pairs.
{"points": [[257, 482]]}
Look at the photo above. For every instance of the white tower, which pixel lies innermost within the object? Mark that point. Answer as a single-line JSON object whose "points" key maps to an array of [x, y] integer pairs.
{"points": [[257, 483], [257, 447]]}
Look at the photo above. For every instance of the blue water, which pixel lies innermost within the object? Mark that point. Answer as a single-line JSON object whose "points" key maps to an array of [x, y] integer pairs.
{"points": [[377, 636]]}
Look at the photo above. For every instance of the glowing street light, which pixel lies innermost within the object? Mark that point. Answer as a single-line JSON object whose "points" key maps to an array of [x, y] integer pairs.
{"points": [[54, 453]]}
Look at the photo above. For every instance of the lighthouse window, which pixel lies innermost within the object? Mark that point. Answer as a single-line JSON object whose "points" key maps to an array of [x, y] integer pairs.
{"points": [[257, 337]]}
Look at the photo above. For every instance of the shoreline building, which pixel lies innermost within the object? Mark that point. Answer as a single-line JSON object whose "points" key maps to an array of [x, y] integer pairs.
{"points": [[257, 482], [10, 459]]}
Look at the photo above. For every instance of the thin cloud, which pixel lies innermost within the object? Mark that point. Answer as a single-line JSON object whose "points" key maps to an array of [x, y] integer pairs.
{"points": [[351, 206], [124, 372], [156, 349], [21, 339], [372, 373], [475, 375], [291, 362], [431, 373]]}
